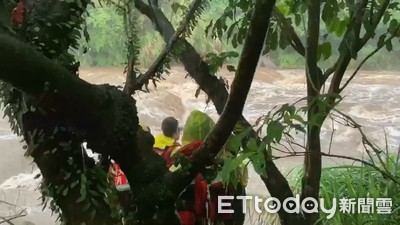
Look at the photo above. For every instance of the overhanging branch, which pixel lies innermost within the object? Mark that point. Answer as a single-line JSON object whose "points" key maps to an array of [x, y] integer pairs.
{"points": [[365, 60], [289, 33], [376, 19], [275, 182], [294, 40], [56, 89], [144, 79], [348, 47], [239, 89]]}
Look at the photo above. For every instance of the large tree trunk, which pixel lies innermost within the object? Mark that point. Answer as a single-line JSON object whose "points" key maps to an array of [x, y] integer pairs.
{"points": [[78, 187], [59, 93], [216, 90], [82, 108]]}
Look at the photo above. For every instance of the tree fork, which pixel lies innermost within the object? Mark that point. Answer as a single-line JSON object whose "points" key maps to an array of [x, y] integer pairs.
{"points": [[275, 182]]}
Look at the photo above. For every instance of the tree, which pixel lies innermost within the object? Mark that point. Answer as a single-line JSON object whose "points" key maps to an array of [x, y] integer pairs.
{"points": [[355, 22], [56, 112]]}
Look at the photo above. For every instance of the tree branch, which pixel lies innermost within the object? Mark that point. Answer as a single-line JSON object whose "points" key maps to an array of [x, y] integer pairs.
{"points": [[52, 84], [239, 90], [293, 38], [57, 90], [365, 60], [289, 33], [131, 75], [348, 47], [192, 61], [8, 220], [144, 79], [375, 22]]}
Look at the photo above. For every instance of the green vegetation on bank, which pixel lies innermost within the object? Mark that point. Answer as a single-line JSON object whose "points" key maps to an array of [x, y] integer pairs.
{"points": [[107, 45], [349, 182]]}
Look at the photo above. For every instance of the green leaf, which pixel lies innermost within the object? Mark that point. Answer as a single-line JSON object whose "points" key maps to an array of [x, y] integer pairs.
{"points": [[86, 207], [340, 28], [291, 109], [234, 142], [297, 19], [73, 184], [230, 30], [92, 214], [329, 11], [325, 50], [83, 191], [386, 17], [176, 6], [251, 146], [65, 192], [393, 25], [83, 178], [67, 176], [258, 160], [286, 119], [275, 131], [231, 164], [234, 40], [298, 118], [59, 189], [273, 40], [226, 170], [231, 68], [381, 40], [389, 46], [369, 29]]}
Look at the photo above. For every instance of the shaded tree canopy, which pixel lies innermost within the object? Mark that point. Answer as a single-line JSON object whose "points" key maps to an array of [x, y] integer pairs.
{"points": [[56, 111]]}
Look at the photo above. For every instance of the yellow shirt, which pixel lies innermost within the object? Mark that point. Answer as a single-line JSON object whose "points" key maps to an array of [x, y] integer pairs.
{"points": [[161, 141]]}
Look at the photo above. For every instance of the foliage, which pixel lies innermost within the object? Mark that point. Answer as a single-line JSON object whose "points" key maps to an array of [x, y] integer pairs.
{"points": [[91, 190], [10, 99], [275, 129], [107, 44], [350, 181], [359, 182], [290, 20]]}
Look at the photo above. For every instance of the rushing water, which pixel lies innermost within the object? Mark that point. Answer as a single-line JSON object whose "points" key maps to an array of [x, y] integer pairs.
{"points": [[371, 99]]}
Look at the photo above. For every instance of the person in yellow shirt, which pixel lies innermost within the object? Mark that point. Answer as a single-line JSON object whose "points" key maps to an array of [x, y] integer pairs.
{"points": [[192, 205], [169, 137]]}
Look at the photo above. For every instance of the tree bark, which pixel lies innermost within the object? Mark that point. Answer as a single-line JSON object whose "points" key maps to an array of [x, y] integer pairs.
{"points": [[312, 161], [68, 173], [83, 107], [63, 164]]}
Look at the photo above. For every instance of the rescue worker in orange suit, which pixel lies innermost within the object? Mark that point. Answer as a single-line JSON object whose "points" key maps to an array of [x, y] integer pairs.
{"points": [[197, 205], [121, 182]]}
